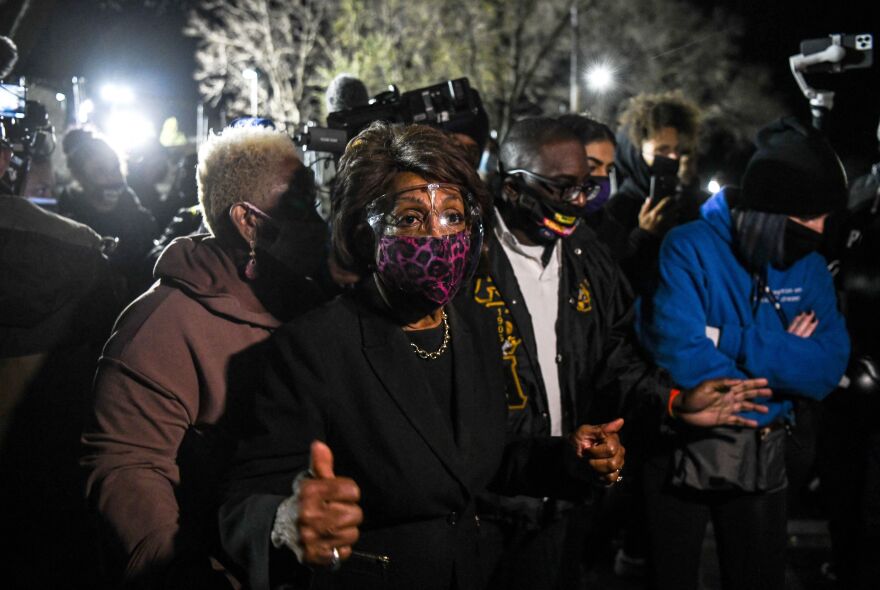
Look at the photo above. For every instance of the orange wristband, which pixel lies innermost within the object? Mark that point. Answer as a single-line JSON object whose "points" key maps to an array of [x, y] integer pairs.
{"points": [[672, 395]]}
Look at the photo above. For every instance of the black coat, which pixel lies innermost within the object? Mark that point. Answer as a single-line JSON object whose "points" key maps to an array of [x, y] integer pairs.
{"points": [[345, 374], [603, 371]]}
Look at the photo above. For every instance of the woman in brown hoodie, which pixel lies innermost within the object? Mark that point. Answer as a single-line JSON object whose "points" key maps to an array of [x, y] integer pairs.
{"points": [[158, 432]]}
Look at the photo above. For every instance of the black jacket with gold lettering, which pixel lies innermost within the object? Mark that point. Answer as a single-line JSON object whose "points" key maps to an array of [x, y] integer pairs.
{"points": [[603, 372]]}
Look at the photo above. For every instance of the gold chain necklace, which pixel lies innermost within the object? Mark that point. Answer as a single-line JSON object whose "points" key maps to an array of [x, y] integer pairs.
{"points": [[433, 356]]}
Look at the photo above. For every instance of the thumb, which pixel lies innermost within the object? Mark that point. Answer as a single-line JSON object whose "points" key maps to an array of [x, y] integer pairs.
{"points": [[321, 464], [613, 426]]}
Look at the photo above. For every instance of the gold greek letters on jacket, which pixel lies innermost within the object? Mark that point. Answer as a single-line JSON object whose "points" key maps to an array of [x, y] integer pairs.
{"points": [[487, 295]]}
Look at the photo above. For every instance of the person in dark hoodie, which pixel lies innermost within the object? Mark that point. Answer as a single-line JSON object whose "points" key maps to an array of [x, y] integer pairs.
{"points": [[742, 291], [177, 360], [656, 135]]}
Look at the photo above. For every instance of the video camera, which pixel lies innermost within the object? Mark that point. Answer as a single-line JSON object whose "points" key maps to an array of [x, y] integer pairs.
{"points": [[448, 102], [25, 128]]}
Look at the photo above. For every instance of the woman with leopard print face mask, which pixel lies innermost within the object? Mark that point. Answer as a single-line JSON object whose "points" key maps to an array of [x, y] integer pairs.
{"points": [[383, 414], [428, 239]]}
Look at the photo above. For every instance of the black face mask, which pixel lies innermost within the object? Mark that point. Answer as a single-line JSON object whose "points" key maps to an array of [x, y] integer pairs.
{"points": [[542, 220], [290, 243], [297, 247], [289, 257], [799, 241]]}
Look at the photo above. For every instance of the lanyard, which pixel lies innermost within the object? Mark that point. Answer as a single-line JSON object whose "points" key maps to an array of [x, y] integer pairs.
{"points": [[763, 290]]}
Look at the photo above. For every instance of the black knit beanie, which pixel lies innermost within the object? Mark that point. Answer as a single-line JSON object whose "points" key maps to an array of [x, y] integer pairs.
{"points": [[793, 172]]}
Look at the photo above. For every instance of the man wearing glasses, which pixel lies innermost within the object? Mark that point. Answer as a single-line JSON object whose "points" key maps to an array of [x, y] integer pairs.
{"points": [[565, 327], [546, 277]]}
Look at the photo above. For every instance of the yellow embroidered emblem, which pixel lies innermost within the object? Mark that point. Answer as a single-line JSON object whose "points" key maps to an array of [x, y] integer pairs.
{"points": [[584, 303]]}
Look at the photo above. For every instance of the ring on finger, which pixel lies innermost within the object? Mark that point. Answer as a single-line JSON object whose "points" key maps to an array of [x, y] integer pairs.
{"points": [[618, 479]]}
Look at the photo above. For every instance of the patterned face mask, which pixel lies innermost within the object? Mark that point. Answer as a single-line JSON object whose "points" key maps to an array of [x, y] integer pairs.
{"points": [[433, 267]]}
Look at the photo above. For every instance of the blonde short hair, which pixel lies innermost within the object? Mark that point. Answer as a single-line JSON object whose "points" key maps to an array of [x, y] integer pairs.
{"points": [[240, 164]]}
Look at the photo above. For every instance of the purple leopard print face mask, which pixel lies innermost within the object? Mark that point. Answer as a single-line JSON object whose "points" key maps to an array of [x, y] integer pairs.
{"points": [[433, 267]]}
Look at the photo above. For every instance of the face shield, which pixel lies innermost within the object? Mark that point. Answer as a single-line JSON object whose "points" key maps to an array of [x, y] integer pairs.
{"points": [[428, 241]]}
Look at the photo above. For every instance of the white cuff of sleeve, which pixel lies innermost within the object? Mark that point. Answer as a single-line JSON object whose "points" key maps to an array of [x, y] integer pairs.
{"points": [[285, 533]]}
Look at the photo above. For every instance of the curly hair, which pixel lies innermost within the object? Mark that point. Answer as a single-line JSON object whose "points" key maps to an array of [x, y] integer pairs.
{"points": [[647, 114], [367, 170], [240, 164]]}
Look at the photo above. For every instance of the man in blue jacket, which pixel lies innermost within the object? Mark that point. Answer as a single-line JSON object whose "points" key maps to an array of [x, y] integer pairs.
{"points": [[742, 292]]}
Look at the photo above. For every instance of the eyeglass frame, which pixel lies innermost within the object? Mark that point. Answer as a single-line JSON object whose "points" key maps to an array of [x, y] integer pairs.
{"points": [[472, 209], [589, 188]]}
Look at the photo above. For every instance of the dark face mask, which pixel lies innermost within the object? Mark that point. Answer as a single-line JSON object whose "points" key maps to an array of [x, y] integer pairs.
{"points": [[602, 197], [292, 247], [542, 220], [799, 240]]}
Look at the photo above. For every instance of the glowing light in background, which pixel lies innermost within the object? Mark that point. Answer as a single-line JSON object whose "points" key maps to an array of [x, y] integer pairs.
{"points": [[86, 108], [60, 97], [117, 94], [127, 130], [713, 186], [601, 77]]}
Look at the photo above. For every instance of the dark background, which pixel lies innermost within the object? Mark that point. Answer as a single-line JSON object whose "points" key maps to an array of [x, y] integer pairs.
{"points": [[774, 30], [144, 45]]}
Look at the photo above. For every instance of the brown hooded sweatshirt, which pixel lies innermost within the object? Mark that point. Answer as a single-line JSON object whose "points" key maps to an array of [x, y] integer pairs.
{"points": [[152, 444]]}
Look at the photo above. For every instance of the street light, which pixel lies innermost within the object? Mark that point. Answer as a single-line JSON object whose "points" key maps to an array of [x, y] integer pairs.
{"points": [[251, 76], [84, 111], [127, 130], [600, 77], [117, 94]]}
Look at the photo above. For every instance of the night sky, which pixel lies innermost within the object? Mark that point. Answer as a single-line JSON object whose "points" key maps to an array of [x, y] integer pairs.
{"points": [[774, 30], [149, 51]]}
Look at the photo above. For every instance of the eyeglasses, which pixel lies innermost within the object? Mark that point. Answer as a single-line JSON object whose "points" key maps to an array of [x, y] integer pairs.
{"points": [[409, 212], [568, 193]]}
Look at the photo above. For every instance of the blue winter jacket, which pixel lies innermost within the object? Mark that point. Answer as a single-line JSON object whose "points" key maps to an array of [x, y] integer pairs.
{"points": [[703, 285]]}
